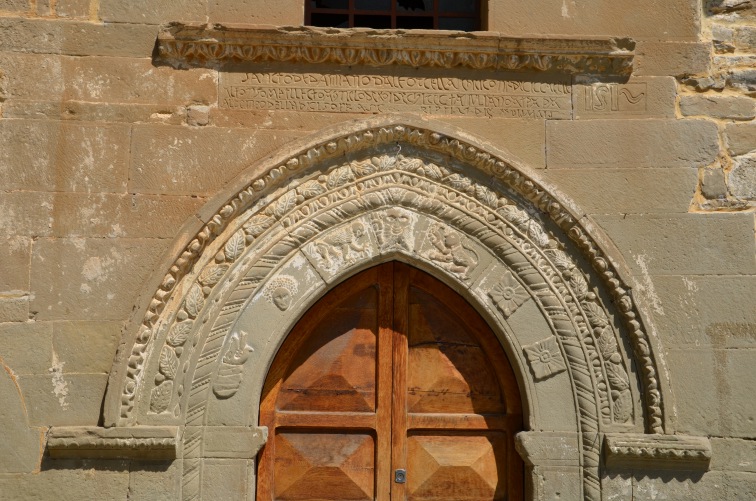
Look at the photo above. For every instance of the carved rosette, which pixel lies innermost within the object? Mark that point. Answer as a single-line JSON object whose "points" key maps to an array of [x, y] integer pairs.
{"points": [[544, 358]]}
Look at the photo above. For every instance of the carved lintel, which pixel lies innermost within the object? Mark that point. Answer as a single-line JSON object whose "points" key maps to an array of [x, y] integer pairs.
{"points": [[127, 442], [657, 451], [202, 44]]}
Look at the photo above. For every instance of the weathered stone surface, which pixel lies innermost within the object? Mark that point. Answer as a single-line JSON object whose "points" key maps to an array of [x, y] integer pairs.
{"points": [[60, 156], [652, 486], [45, 36], [742, 177], [630, 143], [76, 111], [736, 380], [14, 260], [713, 183], [90, 279], [22, 446], [641, 20], [226, 478], [87, 347], [73, 8], [58, 399], [732, 454], [671, 58], [20, 6], [233, 441], [541, 448], [694, 383], [694, 244], [743, 79], [740, 137], [82, 480], [638, 97], [155, 480], [632, 191], [252, 12], [195, 161], [26, 214], [14, 307], [148, 12], [42, 77], [733, 107], [27, 347]]}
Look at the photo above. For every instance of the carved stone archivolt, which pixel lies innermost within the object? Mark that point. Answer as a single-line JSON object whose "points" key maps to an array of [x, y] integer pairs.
{"points": [[391, 191]]}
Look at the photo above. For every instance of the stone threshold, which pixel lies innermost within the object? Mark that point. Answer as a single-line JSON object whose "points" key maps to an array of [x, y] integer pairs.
{"points": [[181, 44]]}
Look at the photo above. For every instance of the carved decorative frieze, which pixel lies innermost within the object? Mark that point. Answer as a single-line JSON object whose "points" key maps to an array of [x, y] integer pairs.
{"points": [[201, 44], [657, 451], [143, 442]]}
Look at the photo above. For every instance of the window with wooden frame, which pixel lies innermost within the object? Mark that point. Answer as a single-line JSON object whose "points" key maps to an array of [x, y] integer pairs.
{"points": [[460, 15]]}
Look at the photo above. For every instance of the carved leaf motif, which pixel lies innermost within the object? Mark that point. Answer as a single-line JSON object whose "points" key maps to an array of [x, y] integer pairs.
{"points": [[179, 333], [578, 284], [212, 274], [486, 196], [433, 171], [363, 168], [458, 182], [607, 343], [537, 234], [160, 397], [168, 363], [562, 261], [384, 163], [235, 246], [617, 376], [410, 164], [623, 406], [311, 189], [258, 224], [595, 314], [195, 300], [284, 204], [339, 177]]}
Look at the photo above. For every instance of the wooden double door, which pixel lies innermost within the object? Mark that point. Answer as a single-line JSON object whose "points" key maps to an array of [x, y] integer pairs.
{"points": [[391, 387]]}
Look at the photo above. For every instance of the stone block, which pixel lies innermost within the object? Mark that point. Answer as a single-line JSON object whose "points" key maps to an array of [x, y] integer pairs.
{"points": [[60, 156], [744, 38], [156, 481], [743, 79], [72, 8], [696, 244], [87, 347], [694, 382], [657, 58], [148, 11], [639, 97], [195, 161], [740, 137], [15, 258], [20, 6], [45, 36], [26, 348], [26, 213], [22, 446], [732, 454], [90, 279], [522, 138], [742, 177], [70, 480], [241, 442], [630, 143], [43, 77], [641, 20], [58, 399], [283, 13], [705, 311], [655, 486], [627, 191], [713, 183], [741, 485], [737, 379], [225, 479], [76, 111], [14, 307], [726, 107]]}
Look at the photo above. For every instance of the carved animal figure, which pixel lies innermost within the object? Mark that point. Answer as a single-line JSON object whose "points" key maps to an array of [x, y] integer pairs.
{"points": [[451, 252], [339, 245]]}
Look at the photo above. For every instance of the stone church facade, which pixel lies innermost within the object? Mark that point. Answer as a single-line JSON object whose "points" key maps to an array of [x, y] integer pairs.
{"points": [[194, 191]]}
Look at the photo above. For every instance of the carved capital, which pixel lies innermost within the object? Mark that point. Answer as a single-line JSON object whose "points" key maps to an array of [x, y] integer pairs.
{"points": [[92, 442], [201, 44], [657, 451]]}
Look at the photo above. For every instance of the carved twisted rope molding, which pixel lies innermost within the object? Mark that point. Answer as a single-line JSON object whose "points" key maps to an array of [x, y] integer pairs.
{"points": [[233, 256], [200, 44]]}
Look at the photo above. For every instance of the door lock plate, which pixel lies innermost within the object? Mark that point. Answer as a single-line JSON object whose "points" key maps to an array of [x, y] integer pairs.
{"points": [[400, 476]]}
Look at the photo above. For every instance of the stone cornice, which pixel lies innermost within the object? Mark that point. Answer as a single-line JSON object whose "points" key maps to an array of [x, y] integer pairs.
{"points": [[657, 451], [145, 442], [183, 44]]}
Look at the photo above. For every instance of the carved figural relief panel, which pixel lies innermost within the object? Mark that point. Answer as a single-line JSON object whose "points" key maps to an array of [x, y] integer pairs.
{"points": [[433, 204]]}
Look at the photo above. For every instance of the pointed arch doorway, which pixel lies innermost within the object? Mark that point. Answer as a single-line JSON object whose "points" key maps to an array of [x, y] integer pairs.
{"points": [[391, 387]]}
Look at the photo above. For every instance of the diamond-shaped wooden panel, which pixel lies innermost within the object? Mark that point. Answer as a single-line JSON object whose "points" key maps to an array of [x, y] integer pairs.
{"points": [[335, 369], [329, 466], [448, 372], [457, 467]]}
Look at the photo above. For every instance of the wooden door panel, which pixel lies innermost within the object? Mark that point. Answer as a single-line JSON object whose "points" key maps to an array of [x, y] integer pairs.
{"points": [[332, 466], [446, 467]]}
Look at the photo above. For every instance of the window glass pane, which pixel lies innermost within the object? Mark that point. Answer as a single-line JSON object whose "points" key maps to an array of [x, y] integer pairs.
{"points": [[372, 4], [330, 20], [414, 5], [377, 22], [329, 4], [458, 23], [467, 6], [414, 22]]}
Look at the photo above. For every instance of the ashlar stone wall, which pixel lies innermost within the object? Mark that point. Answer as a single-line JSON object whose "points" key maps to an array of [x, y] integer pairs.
{"points": [[111, 160]]}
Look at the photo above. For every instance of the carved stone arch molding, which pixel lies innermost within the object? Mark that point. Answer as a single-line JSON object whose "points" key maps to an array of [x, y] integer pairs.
{"points": [[368, 192]]}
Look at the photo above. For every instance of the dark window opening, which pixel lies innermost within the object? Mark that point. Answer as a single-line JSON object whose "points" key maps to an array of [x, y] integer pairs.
{"points": [[461, 15]]}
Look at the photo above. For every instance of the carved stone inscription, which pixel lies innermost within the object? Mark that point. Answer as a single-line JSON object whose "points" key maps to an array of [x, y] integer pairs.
{"points": [[486, 96]]}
